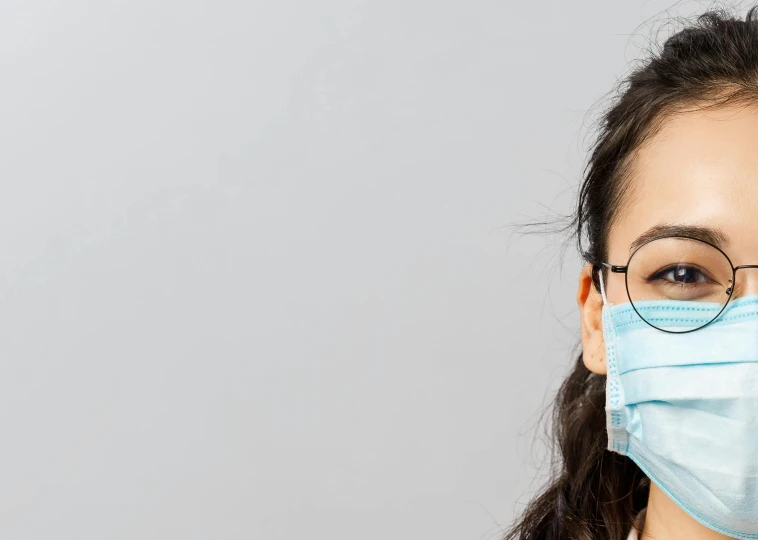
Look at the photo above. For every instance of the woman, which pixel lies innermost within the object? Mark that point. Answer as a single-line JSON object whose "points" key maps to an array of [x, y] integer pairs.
{"points": [[657, 425]]}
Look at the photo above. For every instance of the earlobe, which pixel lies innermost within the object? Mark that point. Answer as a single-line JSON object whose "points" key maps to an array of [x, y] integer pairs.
{"points": [[590, 305]]}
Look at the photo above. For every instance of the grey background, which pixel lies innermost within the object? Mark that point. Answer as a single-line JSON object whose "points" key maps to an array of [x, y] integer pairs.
{"points": [[257, 276]]}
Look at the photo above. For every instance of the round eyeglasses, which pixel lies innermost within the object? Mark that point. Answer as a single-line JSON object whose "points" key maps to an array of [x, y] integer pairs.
{"points": [[679, 268]]}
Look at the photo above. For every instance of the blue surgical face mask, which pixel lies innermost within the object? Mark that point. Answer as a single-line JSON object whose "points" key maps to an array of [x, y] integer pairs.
{"points": [[684, 406]]}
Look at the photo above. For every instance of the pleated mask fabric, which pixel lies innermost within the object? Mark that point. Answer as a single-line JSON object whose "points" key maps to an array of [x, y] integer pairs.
{"points": [[684, 407]]}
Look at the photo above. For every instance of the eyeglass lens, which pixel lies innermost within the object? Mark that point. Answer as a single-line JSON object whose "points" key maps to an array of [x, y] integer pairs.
{"points": [[679, 269]]}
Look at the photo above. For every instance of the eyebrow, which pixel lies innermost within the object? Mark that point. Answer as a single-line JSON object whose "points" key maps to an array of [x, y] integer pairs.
{"points": [[712, 235]]}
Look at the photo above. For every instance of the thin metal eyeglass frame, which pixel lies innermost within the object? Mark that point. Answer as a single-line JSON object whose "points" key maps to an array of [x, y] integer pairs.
{"points": [[623, 270]]}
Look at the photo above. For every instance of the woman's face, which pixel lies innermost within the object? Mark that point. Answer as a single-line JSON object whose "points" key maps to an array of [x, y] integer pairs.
{"points": [[701, 170]]}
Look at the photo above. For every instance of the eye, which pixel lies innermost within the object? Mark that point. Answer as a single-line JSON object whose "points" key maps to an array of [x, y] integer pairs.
{"points": [[682, 274]]}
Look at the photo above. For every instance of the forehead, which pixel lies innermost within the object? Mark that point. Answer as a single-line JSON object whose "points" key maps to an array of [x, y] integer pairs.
{"points": [[701, 168]]}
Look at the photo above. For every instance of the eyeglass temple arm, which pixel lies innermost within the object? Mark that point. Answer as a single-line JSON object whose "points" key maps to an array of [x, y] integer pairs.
{"points": [[614, 268]]}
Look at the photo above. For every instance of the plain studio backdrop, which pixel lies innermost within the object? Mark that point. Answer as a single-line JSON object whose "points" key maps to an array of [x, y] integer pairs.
{"points": [[258, 278]]}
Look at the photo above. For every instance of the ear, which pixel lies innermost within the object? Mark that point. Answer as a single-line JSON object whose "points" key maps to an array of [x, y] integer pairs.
{"points": [[590, 304]]}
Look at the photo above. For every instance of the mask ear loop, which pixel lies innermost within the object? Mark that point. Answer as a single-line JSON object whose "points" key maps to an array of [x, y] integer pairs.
{"points": [[602, 288]]}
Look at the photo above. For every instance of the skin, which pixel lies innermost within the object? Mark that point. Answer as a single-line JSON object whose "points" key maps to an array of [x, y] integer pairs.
{"points": [[700, 169]]}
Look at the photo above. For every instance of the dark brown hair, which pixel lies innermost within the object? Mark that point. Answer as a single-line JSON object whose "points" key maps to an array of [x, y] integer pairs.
{"points": [[595, 493]]}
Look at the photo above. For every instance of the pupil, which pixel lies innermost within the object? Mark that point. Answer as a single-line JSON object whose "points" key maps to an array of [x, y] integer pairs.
{"points": [[684, 273]]}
